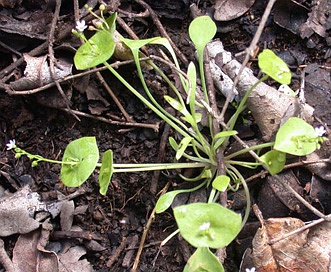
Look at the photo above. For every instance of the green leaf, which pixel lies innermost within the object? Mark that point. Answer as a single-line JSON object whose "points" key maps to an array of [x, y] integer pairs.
{"points": [[191, 87], [111, 22], [296, 137], [165, 201], [274, 67], [175, 104], [226, 133], [201, 30], [206, 173], [98, 49], [203, 260], [135, 45], [207, 224], [182, 146], [85, 153], [221, 183], [274, 160], [223, 135], [106, 171], [173, 143]]}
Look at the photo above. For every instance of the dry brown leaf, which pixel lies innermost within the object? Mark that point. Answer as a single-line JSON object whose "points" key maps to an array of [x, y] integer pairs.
{"points": [[37, 72], [69, 261], [17, 211], [302, 252], [226, 10]]}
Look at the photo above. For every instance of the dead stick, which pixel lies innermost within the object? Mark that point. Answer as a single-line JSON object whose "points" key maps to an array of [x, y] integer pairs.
{"points": [[249, 53], [113, 96], [160, 156], [308, 226], [162, 30], [52, 58], [47, 86], [117, 252], [300, 198], [155, 127], [146, 228]]}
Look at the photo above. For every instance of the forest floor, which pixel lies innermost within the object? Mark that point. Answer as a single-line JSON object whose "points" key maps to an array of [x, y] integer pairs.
{"points": [[105, 231]]}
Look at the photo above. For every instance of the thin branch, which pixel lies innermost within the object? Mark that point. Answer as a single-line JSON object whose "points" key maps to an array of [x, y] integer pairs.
{"points": [[249, 53], [162, 30], [52, 58], [155, 127]]}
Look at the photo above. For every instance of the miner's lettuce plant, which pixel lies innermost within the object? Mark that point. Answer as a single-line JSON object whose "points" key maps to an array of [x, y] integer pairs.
{"points": [[203, 225]]}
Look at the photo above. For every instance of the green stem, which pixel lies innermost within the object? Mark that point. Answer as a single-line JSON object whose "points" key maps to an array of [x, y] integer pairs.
{"points": [[246, 189], [243, 151], [119, 168], [244, 163], [166, 240], [39, 158], [145, 101], [234, 118], [212, 195]]}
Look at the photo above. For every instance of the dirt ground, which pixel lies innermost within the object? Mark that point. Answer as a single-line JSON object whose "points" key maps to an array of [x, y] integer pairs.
{"points": [[115, 223]]}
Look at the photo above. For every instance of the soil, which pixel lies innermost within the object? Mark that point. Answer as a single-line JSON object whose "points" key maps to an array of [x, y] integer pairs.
{"points": [[39, 125]]}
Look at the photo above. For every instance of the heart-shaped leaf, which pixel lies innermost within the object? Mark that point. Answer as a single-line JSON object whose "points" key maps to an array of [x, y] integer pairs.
{"points": [[98, 49], [106, 171], [274, 160], [81, 156], [203, 260], [221, 183], [296, 137], [207, 224], [274, 67]]}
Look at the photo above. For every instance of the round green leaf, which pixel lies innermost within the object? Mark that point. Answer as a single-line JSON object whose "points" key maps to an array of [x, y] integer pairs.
{"points": [[203, 260], [274, 67], [274, 160], [221, 183], [106, 171], [207, 224], [296, 137], [85, 153], [201, 30], [98, 49]]}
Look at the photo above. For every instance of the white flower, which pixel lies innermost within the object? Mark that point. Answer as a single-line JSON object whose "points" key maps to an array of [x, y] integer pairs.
{"points": [[251, 270], [320, 131], [11, 144], [205, 226], [81, 26]]}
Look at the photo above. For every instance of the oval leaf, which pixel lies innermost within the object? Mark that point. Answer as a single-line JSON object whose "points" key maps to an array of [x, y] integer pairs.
{"points": [[201, 30], [99, 48], [182, 146], [221, 183], [207, 224], [274, 67], [296, 137], [203, 260], [106, 171], [274, 160], [85, 153], [165, 201]]}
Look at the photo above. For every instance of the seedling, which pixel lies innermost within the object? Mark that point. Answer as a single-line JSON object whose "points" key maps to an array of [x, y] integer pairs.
{"points": [[203, 225]]}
